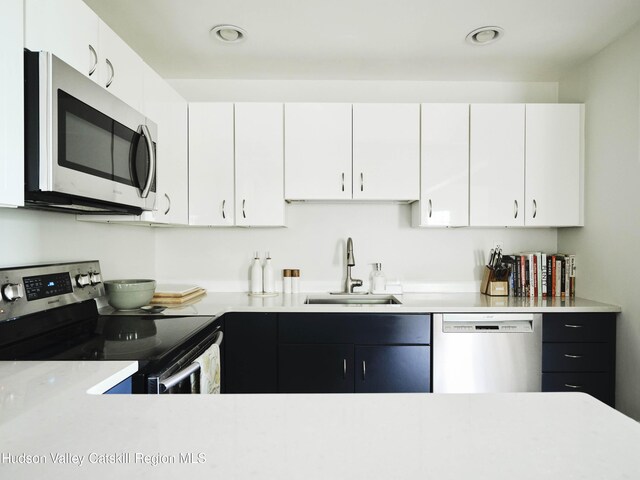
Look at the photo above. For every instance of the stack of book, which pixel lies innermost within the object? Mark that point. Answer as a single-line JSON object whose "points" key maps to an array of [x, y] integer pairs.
{"points": [[537, 274]]}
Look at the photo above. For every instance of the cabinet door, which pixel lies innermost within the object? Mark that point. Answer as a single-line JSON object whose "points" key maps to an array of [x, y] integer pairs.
{"points": [[11, 105], [317, 151], [444, 173], [259, 164], [496, 195], [211, 176], [386, 152], [250, 353], [121, 69], [554, 165], [393, 368], [315, 369], [169, 111], [68, 29]]}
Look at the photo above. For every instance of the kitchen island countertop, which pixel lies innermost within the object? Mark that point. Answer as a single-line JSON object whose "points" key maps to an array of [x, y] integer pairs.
{"points": [[47, 413]]}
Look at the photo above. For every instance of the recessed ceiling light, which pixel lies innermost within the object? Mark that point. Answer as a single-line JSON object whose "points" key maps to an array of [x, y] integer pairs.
{"points": [[485, 35], [228, 33]]}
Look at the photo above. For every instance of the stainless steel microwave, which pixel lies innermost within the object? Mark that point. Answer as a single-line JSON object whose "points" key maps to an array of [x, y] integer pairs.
{"points": [[86, 151]]}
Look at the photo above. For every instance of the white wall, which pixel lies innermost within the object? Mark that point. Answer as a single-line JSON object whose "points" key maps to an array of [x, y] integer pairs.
{"points": [[607, 247], [30, 237], [363, 91], [434, 260]]}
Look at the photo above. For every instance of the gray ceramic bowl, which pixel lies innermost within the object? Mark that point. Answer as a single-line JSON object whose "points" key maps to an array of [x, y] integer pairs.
{"points": [[129, 294]]}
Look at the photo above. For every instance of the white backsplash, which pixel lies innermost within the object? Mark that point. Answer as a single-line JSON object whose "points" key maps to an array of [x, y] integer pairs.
{"points": [[314, 241]]}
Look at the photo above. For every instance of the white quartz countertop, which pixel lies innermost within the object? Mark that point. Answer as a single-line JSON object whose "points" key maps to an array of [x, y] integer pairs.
{"points": [[217, 303], [46, 412]]}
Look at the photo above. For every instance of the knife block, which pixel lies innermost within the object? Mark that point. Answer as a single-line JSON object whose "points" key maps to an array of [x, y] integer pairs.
{"points": [[491, 285]]}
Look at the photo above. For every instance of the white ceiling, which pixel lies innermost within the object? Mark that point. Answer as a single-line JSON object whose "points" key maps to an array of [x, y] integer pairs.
{"points": [[368, 39]]}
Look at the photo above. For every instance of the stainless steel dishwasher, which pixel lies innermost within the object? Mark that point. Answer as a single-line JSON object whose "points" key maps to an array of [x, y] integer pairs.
{"points": [[478, 353]]}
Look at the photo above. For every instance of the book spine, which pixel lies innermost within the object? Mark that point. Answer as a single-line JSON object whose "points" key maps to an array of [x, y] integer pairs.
{"points": [[573, 275], [544, 274], [523, 276], [534, 290], [556, 276], [527, 282], [563, 270], [550, 291], [539, 274]]}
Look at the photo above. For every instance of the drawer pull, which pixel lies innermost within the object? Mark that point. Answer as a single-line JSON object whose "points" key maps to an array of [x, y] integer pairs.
{"points": [[577, 387], [568, 355], [344, 369], [364, 370], [569, 325]]}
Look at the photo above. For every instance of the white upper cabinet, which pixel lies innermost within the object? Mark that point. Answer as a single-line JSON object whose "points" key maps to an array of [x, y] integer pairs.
{"points": [[386, 152], [554, 164], [444, 173], [317, 151], [68, 29], [496, 193], [73, 32], [259, 164], [168, 110], [121, 69], [211, 164], [11, 105]]}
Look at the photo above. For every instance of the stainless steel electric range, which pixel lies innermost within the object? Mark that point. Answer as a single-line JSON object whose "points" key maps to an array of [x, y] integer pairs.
{"points": [[49, 312]]}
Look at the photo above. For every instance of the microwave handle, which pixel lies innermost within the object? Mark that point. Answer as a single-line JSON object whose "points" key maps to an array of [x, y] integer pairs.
{"points": [[144, 131]]}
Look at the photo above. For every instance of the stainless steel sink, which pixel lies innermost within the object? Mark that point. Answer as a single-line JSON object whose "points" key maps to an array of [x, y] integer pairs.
{"points": [[353, 300]]}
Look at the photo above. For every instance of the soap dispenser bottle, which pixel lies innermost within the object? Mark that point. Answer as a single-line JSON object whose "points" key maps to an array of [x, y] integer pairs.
{"points": [[269, 281], [256, 275], [378, 280]]}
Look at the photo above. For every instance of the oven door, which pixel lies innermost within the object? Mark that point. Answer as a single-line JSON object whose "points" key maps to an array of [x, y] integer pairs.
{"points": [[92, 144], [183, 376]]}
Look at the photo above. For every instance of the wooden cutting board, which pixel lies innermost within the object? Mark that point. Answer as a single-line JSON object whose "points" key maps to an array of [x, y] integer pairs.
{"points": [[168, 300], [175, 290]]}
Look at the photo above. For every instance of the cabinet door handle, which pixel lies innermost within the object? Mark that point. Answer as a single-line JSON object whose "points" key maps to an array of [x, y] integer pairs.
{"points": [[344, 368], [169, 203], [113, 73], [535, 208], [93, 53], [343, 181], [364, 370], [430, 208], [362, 181], [224, 216], [569, 325], [568, 385], [515, 209], [568, 355], [244, 214]]}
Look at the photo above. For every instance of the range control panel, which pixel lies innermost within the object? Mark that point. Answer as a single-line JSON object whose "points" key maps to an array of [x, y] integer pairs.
{"points": [[32, 289]]}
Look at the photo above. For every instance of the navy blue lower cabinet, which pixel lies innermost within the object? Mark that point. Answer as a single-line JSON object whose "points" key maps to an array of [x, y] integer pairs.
{"points": [[250, 359], [578, 354], [315, 368], [393, 368], [354, 352]]}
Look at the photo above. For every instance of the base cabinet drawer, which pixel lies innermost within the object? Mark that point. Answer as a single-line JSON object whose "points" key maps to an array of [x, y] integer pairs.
{"points": [[577, 357], [579, 327], [598, 385]]}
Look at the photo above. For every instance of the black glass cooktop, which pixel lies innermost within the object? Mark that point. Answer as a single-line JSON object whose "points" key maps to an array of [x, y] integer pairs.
{"points": [[67, 334]]}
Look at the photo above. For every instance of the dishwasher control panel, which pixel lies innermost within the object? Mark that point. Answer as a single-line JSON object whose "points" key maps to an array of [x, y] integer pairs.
{"points": [[508, 323]]}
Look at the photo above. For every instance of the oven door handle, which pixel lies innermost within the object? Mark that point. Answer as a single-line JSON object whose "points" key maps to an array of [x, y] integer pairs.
{"points": [[176, 378]]}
